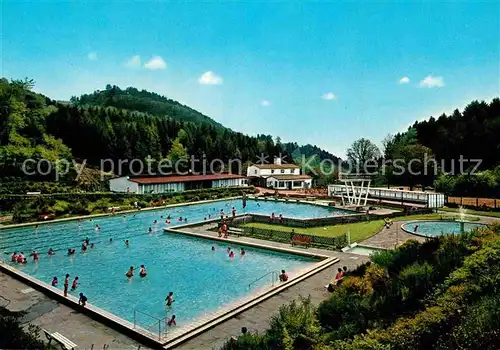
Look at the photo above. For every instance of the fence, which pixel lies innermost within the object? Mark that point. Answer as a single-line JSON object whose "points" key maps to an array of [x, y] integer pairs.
{"points": [[473, 202], [288, 236], [150, 325]]}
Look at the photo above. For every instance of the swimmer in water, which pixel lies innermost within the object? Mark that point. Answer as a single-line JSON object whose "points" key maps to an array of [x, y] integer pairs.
{"points": [[75, 283], [150, 230], [130, 272], [213, 248], [92, 245], [51, 252], [54, 282], [97, 228], [34, 254], [168, 221], [13, 258], [143, 272], [231, 254], [185, 220], [155, 222], [111, 240], [170, 298], [126, 243], [243, 251]]}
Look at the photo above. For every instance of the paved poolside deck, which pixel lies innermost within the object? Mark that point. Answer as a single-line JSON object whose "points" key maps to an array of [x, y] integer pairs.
{"points": [[86, 332]]}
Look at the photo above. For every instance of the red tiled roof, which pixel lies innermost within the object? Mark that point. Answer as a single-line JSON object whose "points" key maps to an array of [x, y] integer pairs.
{"points": [[289, 177], [184, 178], [276, 166]]}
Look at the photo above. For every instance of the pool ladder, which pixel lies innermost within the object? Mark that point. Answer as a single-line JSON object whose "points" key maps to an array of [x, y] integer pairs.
{"points": [[274, 278]]}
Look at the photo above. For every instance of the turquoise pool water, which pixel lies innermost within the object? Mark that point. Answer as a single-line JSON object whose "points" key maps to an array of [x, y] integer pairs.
{"points": [[202, 280], [438, 228], [363, 250]]}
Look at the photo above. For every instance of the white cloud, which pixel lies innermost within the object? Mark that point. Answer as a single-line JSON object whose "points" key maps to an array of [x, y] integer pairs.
{"points": [[210, 78], [155, 63], [92, 56], [265, 103], [329, 96], [134, 61], [404, 80], [430, 82]]}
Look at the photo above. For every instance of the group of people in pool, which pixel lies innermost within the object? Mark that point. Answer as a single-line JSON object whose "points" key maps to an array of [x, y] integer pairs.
{"points": [[231, 253], [142, 272]]}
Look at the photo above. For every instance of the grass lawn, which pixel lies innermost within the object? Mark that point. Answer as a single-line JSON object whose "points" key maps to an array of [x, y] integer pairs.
{"points": [[494, 214], [359, 230]]}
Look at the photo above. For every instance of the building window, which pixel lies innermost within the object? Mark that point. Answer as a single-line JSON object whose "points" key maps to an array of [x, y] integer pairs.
{"points": [[281, 184], [297, 184], [293, 171], [255, 171], [282, 171]]}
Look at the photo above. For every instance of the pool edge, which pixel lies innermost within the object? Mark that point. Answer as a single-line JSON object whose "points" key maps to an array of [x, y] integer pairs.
{"points": [[427, 236], [90, 310]]}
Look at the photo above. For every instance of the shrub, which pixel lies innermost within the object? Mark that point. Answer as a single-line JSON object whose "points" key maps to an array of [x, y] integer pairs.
{"points": [[294, 327]]}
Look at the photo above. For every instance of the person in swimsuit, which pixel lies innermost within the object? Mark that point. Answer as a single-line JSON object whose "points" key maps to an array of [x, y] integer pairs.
{"points": [[170, 298], [51, 252], [84, 246], [150, 230], [283, 276], [20, 258], [83, 300], [172, 322], [126, 243], [54, 281], [14, 257], [243, 251], [66, 285], [231, 254], [130, 272], [75, 283], [143, 272], [233, 212], [92, 245], [213, 248], [34, 254]]}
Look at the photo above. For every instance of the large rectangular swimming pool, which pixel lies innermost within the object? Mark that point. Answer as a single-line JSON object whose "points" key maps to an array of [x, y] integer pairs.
{"points": [[202, 280]]}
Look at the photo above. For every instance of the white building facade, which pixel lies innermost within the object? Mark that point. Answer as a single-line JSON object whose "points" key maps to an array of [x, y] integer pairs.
{"points": [[279, 176], [163, 184]]}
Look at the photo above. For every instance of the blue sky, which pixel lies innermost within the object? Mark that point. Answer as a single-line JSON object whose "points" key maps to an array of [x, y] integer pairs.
{"points": [[325, 73]]}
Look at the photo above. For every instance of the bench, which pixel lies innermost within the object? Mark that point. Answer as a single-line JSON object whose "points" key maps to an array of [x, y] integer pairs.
{"points": [[236, 231], [62, 340], [305, 241]]}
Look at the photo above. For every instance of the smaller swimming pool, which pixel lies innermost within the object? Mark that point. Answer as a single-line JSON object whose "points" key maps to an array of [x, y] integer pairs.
{"points": [[437, 228], [363, 250]]}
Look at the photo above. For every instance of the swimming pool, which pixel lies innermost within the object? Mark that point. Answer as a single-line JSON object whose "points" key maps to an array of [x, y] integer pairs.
{"points": [[437, 228], [202, 280]]}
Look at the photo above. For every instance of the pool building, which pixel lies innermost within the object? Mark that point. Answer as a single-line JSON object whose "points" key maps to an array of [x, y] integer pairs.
{"points": [[174, 183]]}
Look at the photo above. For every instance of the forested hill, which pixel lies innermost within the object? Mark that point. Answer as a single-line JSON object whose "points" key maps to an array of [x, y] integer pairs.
{"points": [[144, 101], [35, 127], [473, 133]]}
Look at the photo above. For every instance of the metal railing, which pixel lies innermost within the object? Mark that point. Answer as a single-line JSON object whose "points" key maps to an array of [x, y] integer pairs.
{"points": [[153, 325], [274, 278]]}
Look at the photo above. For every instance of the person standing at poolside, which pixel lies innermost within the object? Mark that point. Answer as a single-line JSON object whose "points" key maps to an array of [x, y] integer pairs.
{"points": [[66, 285]]}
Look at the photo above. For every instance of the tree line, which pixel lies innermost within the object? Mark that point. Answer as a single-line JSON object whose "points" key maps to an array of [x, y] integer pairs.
{"points": [[119, 124]]}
